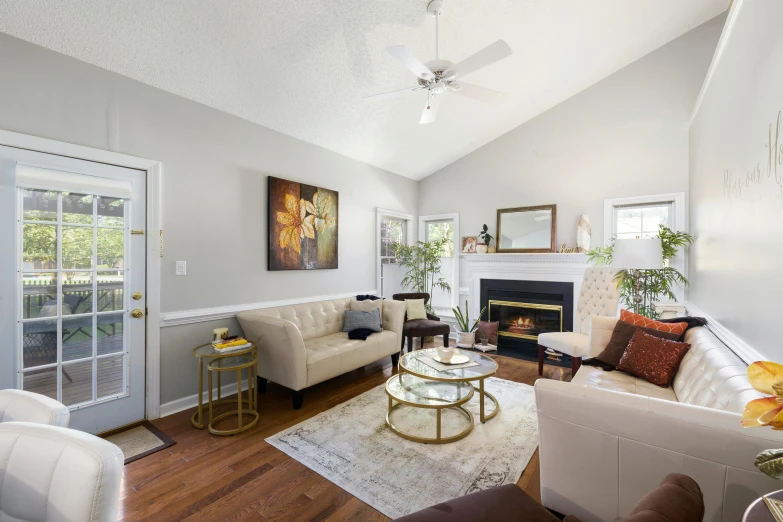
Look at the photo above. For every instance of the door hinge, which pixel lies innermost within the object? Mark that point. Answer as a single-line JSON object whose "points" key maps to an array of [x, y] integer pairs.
{"points": [[137, 232], [161, 243]]}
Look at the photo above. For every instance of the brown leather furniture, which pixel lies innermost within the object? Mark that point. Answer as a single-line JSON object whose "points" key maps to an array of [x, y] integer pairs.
{"points": [[422, 328], [677, 499]]}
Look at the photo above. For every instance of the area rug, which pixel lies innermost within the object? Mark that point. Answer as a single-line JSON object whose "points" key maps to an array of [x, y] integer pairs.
{"points": [[139, 441], [351, 446]]}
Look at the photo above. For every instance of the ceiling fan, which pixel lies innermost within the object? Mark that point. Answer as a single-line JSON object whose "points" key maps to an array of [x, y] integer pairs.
{"points": [[440, 76]]}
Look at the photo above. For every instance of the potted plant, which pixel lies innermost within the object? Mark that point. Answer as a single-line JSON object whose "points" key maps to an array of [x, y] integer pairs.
{"points": [[484, 234], [654, 283], [466, 336], [423, 261]]}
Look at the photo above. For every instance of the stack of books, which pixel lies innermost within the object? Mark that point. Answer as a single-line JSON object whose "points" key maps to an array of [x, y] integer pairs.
{"points": [[230, 344]]}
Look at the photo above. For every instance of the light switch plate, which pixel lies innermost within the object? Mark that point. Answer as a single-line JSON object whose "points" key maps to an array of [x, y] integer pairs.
{"points": [[181, 268]]}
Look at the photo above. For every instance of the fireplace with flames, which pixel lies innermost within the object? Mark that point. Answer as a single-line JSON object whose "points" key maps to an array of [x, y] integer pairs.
{"points": [[525, 320], [526, 309]]}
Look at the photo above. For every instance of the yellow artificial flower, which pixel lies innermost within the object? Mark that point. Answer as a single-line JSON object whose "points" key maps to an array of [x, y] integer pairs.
{"points": [[766, 377], [297, 222]]}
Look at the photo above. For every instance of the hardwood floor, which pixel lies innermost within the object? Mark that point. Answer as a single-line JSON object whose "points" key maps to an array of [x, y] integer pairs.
{"points": [[242, 478]]}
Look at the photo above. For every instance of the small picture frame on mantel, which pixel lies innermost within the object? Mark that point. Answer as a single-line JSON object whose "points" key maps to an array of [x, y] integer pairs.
{"points": [[527, 229]]}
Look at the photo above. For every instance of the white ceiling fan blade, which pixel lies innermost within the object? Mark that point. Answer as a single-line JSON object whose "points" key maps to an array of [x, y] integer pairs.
{"points": [[479, 93], [393, 94], [411, 62], [430, 110], [487, 56]]}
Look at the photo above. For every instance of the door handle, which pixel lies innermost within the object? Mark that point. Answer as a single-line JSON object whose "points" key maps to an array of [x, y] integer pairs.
{"points": [[136, 296], [137, 313]]}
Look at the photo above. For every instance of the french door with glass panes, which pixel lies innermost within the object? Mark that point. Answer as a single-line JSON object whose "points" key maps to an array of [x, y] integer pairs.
{"points": [[80, 286]]}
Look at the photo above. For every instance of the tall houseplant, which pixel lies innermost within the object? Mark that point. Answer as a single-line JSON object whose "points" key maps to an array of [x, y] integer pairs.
{"points": [[654, 283], [423, 263]]}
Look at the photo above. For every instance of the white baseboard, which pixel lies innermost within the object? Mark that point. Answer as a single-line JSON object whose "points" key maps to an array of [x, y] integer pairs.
{"points": [[191, 401], [745, 352], [225, 312]]}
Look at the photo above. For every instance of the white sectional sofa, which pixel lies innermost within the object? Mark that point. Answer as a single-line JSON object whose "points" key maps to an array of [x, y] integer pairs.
{"points": [[302, 345], [607, 438]]}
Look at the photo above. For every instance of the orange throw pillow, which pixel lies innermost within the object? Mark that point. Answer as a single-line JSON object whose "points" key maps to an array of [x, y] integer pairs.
{"points": [[640, 320]]}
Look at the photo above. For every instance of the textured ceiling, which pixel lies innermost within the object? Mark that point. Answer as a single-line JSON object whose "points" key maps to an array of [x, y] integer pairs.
{"points": [[302, 66]]}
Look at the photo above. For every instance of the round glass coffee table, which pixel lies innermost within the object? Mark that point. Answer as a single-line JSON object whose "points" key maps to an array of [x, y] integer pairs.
{"points": [[423, 383]]}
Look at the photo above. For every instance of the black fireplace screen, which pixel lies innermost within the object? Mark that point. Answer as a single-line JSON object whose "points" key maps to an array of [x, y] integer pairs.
{"points": [[525, 320]]}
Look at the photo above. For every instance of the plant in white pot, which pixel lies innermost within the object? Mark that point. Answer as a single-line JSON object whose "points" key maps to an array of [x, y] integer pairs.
{"points": [[466, 334]]}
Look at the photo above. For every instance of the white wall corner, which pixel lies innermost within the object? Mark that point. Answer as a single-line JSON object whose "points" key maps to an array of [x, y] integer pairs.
{"points": [[745, 352]]}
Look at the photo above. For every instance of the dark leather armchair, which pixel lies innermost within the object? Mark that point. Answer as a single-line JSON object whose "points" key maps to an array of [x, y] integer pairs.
{"points": [[429, 327]]}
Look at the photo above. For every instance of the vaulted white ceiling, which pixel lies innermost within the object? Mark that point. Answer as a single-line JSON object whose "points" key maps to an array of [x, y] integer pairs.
{"points": [[302, 67]]}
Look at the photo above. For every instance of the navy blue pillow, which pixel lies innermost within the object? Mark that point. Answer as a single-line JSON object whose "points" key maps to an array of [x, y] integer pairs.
{"points": [[369, 320]]}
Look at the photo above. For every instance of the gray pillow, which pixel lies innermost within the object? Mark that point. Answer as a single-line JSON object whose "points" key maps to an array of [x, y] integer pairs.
{"points": [[369, 320]]}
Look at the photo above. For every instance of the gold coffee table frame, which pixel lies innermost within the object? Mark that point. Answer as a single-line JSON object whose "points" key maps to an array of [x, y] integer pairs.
{"points": [[487, 368], [447, 404], [207, 351], [247, 361]]}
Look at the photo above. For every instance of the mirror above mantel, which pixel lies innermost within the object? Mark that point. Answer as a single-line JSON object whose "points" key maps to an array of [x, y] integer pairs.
{"points": [[527, 229]]}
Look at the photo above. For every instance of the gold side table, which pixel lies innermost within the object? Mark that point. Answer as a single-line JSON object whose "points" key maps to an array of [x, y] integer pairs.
{"points": [[235, 364], [207, 351]]}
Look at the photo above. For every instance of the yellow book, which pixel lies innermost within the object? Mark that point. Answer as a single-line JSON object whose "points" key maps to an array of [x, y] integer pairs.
{"points": [[234, 342]]}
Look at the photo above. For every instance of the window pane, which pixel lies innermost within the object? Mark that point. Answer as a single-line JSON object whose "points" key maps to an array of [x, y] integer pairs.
{"points": [[77, 247], [77, 338], [39, 297], [110, 291], [39, 343], [41, 381], [77, 208], [392, 231], [77, 293], [109, 333], [40, 246], [77, 382], [629, 221], [653, 217], [39, 205], [111, 212], [111, 248], [110, 374], [440, 231]]}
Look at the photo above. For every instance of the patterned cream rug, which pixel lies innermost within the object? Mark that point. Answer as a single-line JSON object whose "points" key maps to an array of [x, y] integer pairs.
{"points": [[351, 446]]}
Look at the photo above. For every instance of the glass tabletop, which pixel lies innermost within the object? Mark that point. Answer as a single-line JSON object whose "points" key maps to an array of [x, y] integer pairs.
{"points": [[412, 362], [410, 389], [228, 363], [207, 350]]}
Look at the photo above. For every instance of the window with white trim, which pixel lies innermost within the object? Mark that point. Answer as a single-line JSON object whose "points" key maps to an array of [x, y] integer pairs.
{"points": [[643, 220]]}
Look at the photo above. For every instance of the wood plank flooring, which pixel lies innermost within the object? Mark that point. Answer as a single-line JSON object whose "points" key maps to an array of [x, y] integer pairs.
{"points": [[242, 478]]}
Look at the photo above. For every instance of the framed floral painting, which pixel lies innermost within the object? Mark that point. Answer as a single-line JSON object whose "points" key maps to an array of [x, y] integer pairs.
{"points": [[302, 226]]}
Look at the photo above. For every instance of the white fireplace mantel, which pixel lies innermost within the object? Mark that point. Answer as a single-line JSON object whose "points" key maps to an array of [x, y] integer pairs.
{"points": [[523, 267]]}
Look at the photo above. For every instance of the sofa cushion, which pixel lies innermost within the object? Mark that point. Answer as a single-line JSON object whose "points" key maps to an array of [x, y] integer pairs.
{"points": [[640, 320], [415, 309], [711, 375], [335, 354], [573, 344], [620, 382], [621, 336], [364, 320], [653, 359]]}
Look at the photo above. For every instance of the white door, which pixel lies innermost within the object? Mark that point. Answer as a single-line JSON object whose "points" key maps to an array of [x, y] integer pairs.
{"points": [[78, 283]]}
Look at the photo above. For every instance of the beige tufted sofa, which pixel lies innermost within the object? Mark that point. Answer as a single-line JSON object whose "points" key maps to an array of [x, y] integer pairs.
{"points": [[25, 406], [598, 296], [608, 437], [302, 345]]}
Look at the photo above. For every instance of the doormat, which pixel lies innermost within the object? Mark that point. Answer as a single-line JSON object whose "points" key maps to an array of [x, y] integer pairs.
{"points": [[141, 440]]}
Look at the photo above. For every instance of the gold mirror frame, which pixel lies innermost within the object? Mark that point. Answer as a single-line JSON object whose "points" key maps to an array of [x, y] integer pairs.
{"points": [[552, 234]]}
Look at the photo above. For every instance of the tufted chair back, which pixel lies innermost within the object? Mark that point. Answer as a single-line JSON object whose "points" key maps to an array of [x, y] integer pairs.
{"points": [[48, 474], [313, 320], [599, 295], [25, 406]]}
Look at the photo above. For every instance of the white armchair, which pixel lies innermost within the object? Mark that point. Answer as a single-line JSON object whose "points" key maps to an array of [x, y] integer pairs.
{"points": [[49, 473], [599, 296], [25, 406]]}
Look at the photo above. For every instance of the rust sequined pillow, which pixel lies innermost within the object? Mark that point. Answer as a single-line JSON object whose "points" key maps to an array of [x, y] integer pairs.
{"points": [[653, 359]]}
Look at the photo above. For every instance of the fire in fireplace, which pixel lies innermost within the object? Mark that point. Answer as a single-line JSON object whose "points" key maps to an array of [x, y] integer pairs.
{"points": [[525, 320]]}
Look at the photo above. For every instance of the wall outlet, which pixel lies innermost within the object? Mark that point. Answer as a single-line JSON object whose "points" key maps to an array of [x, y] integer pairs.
{"points": [[181, 268]]}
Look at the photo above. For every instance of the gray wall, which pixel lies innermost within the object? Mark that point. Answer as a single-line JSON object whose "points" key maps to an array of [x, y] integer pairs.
{"points": [[627, 135], [737, 136], [209, 158]]}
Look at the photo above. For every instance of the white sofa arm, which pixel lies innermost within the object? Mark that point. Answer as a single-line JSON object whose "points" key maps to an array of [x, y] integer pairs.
{"points": [[601, 451], [25, 406], [394, 317], [281, 352]]}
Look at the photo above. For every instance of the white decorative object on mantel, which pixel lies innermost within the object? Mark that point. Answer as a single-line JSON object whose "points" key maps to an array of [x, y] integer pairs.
{"points": [[583, 233], [569, 268]]}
